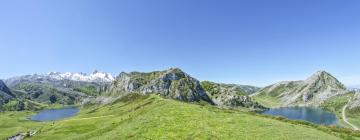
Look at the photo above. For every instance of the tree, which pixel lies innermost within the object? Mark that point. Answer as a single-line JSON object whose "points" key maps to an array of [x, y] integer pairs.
{"points": [[53, 99]]}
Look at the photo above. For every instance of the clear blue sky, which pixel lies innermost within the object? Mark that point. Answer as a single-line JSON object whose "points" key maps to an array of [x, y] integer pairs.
{"points": [[255, 42]]}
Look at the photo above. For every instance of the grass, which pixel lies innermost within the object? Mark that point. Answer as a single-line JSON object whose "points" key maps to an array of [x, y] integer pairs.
{"points": [[14, 122], [152, 117], [336, 105], [354, 120], [89, 90], [215, 89], [353, 115], [267, 101]]}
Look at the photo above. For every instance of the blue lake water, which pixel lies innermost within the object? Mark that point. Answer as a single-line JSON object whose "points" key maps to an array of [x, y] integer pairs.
{"points": [[55, 114], [310, 114]]}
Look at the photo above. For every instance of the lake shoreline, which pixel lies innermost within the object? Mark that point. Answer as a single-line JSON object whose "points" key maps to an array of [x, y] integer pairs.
{"points": [[47, 115], [315, 115]]}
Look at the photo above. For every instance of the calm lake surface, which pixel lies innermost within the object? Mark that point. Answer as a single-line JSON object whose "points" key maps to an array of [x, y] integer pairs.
{"points": [[310, 114], [55, 114]]}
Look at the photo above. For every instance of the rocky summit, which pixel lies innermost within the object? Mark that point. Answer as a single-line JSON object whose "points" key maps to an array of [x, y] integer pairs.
{"points": [[312, 91], [172, 83]]}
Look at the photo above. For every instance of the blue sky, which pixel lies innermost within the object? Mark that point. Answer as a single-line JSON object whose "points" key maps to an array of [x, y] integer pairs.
{"points": [[255, 42]]}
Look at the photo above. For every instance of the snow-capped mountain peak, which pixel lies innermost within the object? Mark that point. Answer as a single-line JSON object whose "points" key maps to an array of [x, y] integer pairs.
{"points": [[96, 76]]}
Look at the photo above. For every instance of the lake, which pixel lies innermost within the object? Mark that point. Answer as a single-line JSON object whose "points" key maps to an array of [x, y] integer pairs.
{"points": [[310, 114], [55, 114]]}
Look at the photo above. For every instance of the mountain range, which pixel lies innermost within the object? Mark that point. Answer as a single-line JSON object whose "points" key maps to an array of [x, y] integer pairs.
{"points": [[79, 88], [133, 103], [57, 88]]}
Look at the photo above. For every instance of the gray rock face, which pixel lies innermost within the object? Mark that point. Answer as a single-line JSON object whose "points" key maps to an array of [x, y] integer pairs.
{"points": [[312, 91], [354, 104], [355, 101], [172, 83], [5, 93], [230, 95]]}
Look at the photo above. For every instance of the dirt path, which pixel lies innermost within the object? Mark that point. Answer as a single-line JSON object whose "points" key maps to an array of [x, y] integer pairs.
{"points": [[345, 119]]}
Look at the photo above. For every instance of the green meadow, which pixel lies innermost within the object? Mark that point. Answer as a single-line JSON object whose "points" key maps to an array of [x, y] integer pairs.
{"points": [[152, 117]]}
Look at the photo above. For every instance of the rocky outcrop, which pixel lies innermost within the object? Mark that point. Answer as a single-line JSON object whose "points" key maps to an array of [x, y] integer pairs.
{"points": [[5, 94], [312, 91], [229, 95], [172, 83], [354, 104]]}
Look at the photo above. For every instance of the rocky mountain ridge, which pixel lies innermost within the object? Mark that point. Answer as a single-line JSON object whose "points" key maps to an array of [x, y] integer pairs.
{"points": [[312, 91], [96, 76], [172, 83], [231, 95], [61, 88]]}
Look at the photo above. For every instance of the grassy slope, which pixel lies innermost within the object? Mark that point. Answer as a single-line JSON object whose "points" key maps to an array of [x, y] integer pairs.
{"points": [[353, 115], [156, 118], [355, 120], [13, 122], [267, 101], [336, 104]]}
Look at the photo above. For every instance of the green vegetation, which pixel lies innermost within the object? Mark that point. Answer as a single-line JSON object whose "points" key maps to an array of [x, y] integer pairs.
{"points": [[271, 98], [215, 89], [89, 90], [46, 93], [354, 119], [151, 117], [14, 122], [17, 105], [353, 115], [14, 105], [230, 95], [267, 101], [336, 104], [172, 84], [144, 78]]}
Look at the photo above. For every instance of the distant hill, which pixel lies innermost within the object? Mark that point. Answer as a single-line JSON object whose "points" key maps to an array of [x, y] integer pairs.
{"points": [[172, 83], [312, 91], [230, 94], [61, 88], [249, 89]]}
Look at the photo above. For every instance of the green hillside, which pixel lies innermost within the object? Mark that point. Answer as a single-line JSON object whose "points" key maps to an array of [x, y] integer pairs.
{"points": [[151, 117]]}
